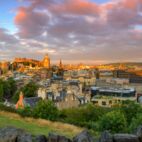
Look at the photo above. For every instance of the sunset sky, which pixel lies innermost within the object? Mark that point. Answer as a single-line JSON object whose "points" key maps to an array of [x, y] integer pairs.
{"points": [[86, 31]]}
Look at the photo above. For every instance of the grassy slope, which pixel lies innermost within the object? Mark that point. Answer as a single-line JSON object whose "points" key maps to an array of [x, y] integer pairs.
{"points": [[37, 126]]}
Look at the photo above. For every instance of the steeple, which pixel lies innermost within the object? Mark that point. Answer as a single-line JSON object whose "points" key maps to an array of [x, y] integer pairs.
{"points": [[60, 64]]}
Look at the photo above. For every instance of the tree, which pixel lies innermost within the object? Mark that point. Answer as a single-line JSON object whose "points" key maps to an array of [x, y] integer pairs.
{"points": [[130, 109], [15, 97], [30, 90], [12, 86], [86, 116], [46, 110], [1, 93], [113, 121], [7, 88], [136, 122]]}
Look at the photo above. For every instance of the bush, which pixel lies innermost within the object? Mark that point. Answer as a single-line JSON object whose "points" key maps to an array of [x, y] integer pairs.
{"points": [[130, 109], [15, 97], [1, 93], [30, 90], [26, 112], [6, 108], [113, 121], [137, 121], [85, 116], [46, 110], [7, 89]]}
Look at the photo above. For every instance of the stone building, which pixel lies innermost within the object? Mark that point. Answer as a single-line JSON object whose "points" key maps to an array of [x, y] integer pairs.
{"points": [[69, 101]]}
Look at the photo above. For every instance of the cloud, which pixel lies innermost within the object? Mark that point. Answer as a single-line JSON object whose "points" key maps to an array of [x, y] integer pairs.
{"points": [[79, 30], [6, 37], [30, 23]]}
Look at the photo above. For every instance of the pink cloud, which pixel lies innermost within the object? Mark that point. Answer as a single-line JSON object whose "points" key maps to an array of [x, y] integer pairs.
{"points": [[30, 23], [81, 7], [102, 30]]}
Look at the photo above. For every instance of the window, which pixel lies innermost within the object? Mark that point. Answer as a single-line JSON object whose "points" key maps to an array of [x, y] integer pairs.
{"points": [[110, 102], [95, 102], [103, 103]]}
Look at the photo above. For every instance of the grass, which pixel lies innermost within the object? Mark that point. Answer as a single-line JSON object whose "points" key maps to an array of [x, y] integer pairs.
{"points": [[37, 126]]}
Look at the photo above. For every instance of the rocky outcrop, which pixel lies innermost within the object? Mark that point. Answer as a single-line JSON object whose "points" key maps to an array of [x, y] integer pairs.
{"points": [[106, 137], [138, 133], [40, 138], [11, 134], [83, 137], [125, 138], [57, 138], [136, 137]]}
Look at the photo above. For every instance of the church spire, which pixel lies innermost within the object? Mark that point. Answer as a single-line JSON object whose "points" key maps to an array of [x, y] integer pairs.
{"points": [[60, 64]]}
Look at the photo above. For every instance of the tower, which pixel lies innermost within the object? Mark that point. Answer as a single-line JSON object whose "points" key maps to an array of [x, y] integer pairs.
{"points": [[60, 64], [46, 61]]}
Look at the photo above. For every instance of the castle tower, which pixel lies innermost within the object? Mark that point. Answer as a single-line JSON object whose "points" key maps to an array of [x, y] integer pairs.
{"points": [[46, 61]]}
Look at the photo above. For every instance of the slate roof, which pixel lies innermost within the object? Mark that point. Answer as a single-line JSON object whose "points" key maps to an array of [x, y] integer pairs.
{"points": [[32, 101]]}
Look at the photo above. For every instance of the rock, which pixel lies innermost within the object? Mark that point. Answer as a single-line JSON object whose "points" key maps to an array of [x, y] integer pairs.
{"points": [[125, 138], [25, 138], [106, 137], [84, 136], [40, 138], [138, 132], [57, 138], [10, 134]]}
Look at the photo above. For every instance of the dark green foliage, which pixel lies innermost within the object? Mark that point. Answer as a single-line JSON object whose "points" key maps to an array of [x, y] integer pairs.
{"points": [[1, 93], [7, 88], [15, 97], [136, 121], [12, 85], [8, 109], [46, 110], [131, 109], [30, 89], [26, 112], [86, 115], [113, 121]]}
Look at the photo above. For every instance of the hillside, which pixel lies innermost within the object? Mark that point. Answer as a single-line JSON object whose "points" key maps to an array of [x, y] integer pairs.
{"points": [[37, 126]]}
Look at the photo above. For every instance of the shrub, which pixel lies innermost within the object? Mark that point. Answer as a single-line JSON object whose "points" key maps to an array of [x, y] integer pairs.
{"points": [[6, 108], [30, 89], [85, 116], [26, 112], [137, 121], [46, 110], [15, 97], [113, 121], [1, 93], [130, 109]]}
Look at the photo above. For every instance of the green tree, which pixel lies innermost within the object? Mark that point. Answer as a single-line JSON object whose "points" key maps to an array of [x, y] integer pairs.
{"points": [[15, 97], [12, 86], [46, 110], [130, 109], [1, 93], [136, 122], [113, 121], [30, 90], [85, 116]]}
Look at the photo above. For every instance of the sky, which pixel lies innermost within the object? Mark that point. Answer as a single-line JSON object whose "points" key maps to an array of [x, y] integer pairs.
{"points": [[76, 31]]}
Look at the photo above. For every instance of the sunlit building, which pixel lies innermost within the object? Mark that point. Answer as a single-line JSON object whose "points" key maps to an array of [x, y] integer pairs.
{"points": [[46, 61]]}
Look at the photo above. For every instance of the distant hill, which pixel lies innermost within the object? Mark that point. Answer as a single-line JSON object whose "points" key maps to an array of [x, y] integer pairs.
{"points": [[126, 63]]}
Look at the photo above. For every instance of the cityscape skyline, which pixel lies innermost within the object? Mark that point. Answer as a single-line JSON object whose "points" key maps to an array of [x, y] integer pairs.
{"points": [[76, 31]]}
